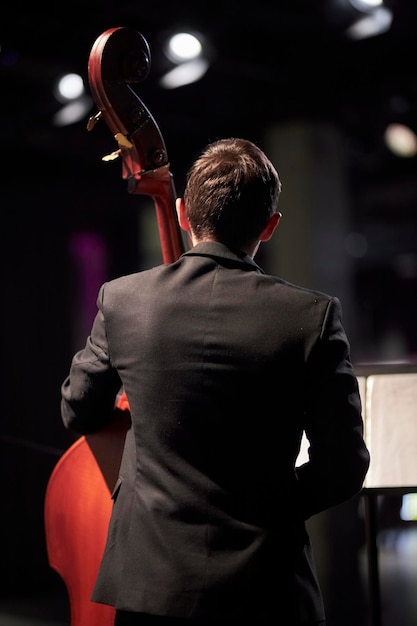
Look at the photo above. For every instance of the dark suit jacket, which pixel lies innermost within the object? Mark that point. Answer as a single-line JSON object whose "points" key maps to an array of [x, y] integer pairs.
{"points": [[224, 368]]}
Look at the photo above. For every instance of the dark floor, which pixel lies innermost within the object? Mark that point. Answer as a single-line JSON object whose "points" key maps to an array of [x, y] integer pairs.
{"points": [[397, 561], [51, 609], [397, 552]]}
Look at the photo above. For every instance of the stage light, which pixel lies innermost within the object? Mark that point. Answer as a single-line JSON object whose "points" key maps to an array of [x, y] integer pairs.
{"points": [[73, 111], [184, 74], [366, 5], [183, 47], [401, 140], [373, 23], [190, 53], [69, 87]]}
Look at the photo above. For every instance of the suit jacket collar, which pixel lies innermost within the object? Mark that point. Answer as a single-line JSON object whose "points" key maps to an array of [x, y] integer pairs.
{"points": [[224, 255]]}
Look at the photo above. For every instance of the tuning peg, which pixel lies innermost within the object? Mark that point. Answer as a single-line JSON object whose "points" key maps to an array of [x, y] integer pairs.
{"points": [[93, 120], [123, 141], [112, 156]]}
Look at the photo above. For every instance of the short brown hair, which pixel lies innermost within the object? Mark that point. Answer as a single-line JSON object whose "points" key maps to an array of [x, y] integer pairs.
{"points": [[231, 191]]}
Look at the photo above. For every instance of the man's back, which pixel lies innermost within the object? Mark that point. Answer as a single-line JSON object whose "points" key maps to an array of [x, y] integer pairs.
{"points": [[217, 360]]}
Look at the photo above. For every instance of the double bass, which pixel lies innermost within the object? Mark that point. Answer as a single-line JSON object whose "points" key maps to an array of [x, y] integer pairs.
{"points": [[77, 504]]}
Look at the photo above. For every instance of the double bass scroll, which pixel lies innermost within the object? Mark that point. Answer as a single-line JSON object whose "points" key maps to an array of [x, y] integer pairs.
{"points": [[121, 57]]}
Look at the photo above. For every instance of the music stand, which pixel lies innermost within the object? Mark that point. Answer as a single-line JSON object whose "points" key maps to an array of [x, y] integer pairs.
{"points": [[389, 397]]}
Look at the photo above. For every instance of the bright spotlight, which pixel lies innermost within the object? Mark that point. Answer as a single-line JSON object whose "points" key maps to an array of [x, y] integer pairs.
{"points": [[401, 140], [69, 87], [183, 47]]}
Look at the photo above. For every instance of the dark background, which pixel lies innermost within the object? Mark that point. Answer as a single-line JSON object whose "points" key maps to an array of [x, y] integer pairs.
{"points": [[271, 63]]}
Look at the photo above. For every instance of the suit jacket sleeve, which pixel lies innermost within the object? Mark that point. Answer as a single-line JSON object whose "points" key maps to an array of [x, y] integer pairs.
{"points": [[338, 456], [90, 390]]}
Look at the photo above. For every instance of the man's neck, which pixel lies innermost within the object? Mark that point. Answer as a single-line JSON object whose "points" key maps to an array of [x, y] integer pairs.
{"points": [[250, 250]]}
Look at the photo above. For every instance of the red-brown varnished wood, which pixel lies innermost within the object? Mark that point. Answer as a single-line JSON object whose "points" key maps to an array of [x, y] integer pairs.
{"points": [[77, 511]]}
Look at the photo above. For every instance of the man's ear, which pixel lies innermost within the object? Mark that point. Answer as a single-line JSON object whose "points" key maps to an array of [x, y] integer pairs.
{"points": [[182, 218], [270, 227]]}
